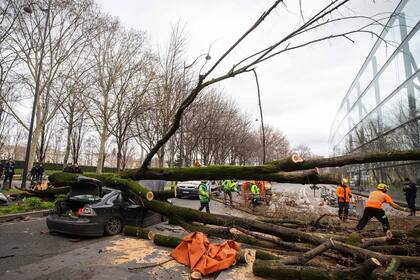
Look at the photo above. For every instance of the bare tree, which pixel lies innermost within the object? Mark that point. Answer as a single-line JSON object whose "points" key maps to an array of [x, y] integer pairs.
{"points": [[130, 102], [293, 40], [118, 58], [165, 94], [66, 29]]}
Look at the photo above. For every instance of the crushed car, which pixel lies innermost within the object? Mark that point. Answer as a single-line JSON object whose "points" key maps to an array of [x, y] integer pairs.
{"points": [[93, 210]]}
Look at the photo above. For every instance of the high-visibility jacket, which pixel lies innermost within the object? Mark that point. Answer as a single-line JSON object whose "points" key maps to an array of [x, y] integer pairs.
{"points": [[203, 193], [376, 199], [227, 185], [255, 191], [343, 193]]}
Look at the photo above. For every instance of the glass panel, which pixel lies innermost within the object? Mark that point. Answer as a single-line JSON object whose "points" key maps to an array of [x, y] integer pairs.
{"points": [[392, 76], [366, 77], [416, 82], [395, 110], [412, 13], [414, 46], [369, 100], [352, 96]]}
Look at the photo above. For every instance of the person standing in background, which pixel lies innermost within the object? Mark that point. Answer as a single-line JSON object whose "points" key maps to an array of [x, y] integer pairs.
{"points": [[344, 194], [9, 172], [410, 191]]}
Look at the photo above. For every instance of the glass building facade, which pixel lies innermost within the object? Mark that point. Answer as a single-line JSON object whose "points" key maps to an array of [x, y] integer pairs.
{"points": [[381, 109]]}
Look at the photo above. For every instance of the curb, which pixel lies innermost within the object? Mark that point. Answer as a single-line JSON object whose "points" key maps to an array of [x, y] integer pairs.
{"points": [[11, 217]]}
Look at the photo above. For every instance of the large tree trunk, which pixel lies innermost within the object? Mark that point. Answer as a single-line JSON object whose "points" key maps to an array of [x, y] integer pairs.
{"points": [[273, 171], [277, 270], [119, 155], [235, 172]]}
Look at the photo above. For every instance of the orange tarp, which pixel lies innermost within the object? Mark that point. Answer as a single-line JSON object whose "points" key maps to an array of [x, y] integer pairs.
{"points": [[196, 252]]}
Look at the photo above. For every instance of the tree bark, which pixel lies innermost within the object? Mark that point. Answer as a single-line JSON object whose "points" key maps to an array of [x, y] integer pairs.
{"points": [[311, 176], [275, 240], [356, 159], [403, 250], [277, 270], [138, 232], [101, 153], [34, 143], [273, 171], [307, 256]]}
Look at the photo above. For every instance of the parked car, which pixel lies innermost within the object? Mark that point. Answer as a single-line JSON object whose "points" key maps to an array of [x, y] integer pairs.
{"points": [[189, 189], [3, 199], [92, 210]]}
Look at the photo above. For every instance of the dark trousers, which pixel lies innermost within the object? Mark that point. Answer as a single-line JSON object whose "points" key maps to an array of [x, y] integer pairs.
{"points": [[38, 177], [411, 201], [204, 204], [369, 213], [228, 193], [8, 177], [343, 207], [255, 201]]}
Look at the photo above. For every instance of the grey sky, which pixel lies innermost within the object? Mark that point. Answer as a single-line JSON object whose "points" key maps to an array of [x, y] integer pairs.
{"points": [[301, 90]]}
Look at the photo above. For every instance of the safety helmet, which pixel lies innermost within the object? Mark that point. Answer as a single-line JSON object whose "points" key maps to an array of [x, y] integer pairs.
{"points": [[253, 182], [344, 181], [204, 181], [382, 187]]}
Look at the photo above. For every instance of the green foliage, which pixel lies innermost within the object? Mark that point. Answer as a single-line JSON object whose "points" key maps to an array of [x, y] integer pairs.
{"points": [[27, 205], [33, 202]]}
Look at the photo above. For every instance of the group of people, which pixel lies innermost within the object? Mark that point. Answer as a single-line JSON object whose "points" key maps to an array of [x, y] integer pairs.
{"points": [[8, 171], [73, 168], [228, 187], [373, 205], [37, 172]]}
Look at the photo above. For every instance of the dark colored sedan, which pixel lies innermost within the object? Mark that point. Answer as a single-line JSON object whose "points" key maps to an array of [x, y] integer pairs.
{"points": [[92, 210]]}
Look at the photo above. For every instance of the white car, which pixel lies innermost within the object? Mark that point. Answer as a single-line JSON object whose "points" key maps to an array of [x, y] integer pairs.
{"points": [[189, 189]]}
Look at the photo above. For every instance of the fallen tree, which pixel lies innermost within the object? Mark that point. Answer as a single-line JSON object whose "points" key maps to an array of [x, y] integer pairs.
{"points": [[185, 217], [285, 170]]}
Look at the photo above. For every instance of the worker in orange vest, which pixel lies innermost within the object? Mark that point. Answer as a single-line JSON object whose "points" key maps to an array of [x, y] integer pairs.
{"points": [[373, 208], [344, 194]]}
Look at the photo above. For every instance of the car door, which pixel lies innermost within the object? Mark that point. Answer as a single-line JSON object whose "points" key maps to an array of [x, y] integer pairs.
{"points": [[131, 211]]}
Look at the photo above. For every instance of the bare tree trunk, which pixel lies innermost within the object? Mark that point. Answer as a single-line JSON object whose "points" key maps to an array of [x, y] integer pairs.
{"points": [[68, 145], [101, 154], [34, 143], [119, 156]]}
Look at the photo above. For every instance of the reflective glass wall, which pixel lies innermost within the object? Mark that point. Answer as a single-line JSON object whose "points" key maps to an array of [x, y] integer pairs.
{"points": [[381, 109]]}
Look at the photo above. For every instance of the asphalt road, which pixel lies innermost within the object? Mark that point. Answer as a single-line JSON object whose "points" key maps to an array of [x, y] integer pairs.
{"points": [[27, 242]]}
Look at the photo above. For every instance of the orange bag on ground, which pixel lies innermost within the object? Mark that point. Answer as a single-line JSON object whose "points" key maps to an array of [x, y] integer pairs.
{"points": [[196, 252]]}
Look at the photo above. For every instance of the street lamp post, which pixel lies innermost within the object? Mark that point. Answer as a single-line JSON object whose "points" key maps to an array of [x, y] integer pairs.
{"points": [[28, 9]]}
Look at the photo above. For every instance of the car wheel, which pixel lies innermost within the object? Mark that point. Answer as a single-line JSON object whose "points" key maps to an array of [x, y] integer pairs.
{"points": [[113, 226]]}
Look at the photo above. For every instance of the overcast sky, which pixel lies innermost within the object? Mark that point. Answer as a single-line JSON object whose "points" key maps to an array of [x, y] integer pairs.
{"points": [[301, 90]]}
